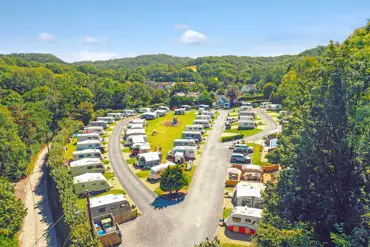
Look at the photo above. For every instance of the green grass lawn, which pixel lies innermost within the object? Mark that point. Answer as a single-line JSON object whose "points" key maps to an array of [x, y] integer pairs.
{"points": [[143, 174], [226, 212], [166, 135], [71, 147], [257, 153], [108, 175], [126, 150], [131, 161], [246, 133]]}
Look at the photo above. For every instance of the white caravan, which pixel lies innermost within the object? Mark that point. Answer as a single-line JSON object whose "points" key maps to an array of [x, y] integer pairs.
{"points": [[115, 115], [274, 107], [92, 182], [135, 139], [99, 123], [160, 113], [186, 107], [163, 108], [180, 111], [247, 113], [197, 136], [134, 132], [128, 112], [109, 204], [195, 127], [135, 126], [265, 104], [245, 108], [248, 194], [156, 171], [244, 220], [148, 160], [209, 113], [142, 110], [248, 118], [108, 119], [89, 136], [87, 153], [86, 165], [204, 117], [138, 121], [149, 115], [246, 124], [184, 142], [189, 152], [89, 144], [94, 129], [204, 123]]}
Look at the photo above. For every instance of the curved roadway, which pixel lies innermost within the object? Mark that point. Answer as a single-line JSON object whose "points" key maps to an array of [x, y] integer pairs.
{"points": [[196, 218]]}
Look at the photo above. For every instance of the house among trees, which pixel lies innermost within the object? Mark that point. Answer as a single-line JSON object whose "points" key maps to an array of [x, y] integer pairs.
{"points": [[248, 88], [223, 102]]}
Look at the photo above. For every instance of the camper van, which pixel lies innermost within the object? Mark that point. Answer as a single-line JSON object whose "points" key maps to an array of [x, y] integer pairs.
{"points": [[197, 136], [246, 125], [186, 107], [92, 182], [180, 111], [99, 123], [245, 108], [94, 129], [156, 171], [136, 139], [86, 165], [184, 142], [89, 136], [163, 108], [247, 113], [204, 123], [134, 132], [248, 118], [149, 115], [204, 117], [128, 113], [248, 194], [140, 148], [148, 160], [160, 113], [135, 126], [115, 115], [244, 220], [87, 153], [195, 127], [108, 119], [265, 104], [142, 110], [189, 152], [89, 144], [109, 204]]}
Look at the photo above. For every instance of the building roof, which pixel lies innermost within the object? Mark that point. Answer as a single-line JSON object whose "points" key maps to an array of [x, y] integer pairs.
{"points": [[85, 162], [106, 200], [88, 177], [246, 211], [151, 156]]}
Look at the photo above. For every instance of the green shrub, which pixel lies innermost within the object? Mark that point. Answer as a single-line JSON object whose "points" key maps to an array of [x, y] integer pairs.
{"points": [[231, 138]]}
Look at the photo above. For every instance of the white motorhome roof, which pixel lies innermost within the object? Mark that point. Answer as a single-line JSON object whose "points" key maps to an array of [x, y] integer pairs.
{"points": [[89, 142], [137, 139], [245, 121], [149, 113], [99, 121], [138, 144], [89, 134], [136, 126], [85, 162], [161, 166], [183, 148], [88, 177], [192, 132], [106, 200], [151, 156], [161, 111], [183, 140], [248, 190], [138, 121], [135, 131], [245, 211], [87, 151], [201, 121], [194, 126], [144, 146], [94, 128]]}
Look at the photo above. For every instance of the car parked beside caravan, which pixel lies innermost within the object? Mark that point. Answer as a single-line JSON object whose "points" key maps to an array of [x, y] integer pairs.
{"points": [[156, 171], [204, 123], [240, 158], [99, 123], [89, 144], [115, 115], [86, 165], [196, 135], [108, 119], [87, 153], [92, 182], [195, 127], [94, 129], [88, 136]]}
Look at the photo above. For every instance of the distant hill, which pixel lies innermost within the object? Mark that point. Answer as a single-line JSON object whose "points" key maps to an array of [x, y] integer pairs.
{"points": [[314, 52], [38, 57]]}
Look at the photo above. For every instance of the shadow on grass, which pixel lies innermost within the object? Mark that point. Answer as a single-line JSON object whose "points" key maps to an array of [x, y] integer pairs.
{"points": [[166, 200]]}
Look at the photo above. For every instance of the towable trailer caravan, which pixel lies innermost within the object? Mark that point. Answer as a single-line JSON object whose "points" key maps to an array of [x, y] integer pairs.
{"points": [[136, 139], [99, 123], [204, 123], [108, 119], [87, 153], [94, 129], [138, 121], [247, 113], [134, 132], [204, 106], [87, 165], [186, 107], [204, 117], [148, 160], [180, 111], [197, 136], [244, 220], [128, 112], [245, 108], [163, 108], [89, 136], [89, 144], [201, 110], [246, 125], [189, 152], [149, 115], [184, 142], [248, 118], [248, 194], [142, 110], [160, 113], [109, 204], [274, 107], [115, 115], [156, 171], [195, 127], [209, 113], [246, 103], [92, 182], [265, 104], [135, 126], [140, 148]]}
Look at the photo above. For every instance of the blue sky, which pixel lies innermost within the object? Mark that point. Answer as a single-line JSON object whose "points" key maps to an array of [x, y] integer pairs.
{"points": [[77, 30]]}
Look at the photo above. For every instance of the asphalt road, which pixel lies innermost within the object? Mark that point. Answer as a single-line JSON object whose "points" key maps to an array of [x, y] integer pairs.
{"points": [[192, 220]]}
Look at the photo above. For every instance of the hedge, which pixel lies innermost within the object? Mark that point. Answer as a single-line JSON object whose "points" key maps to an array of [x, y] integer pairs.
{"points": [[77, 222], [252, 98], [231, 138]]}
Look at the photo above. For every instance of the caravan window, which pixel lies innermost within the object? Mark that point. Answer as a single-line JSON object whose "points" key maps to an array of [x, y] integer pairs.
{"points": [[123, 205], [237, 219], [83, 186], [113, 207], [102, 183], [89, 167], [80, 156], [101, 210], [248, 221], [191, 152], [94, 184]]}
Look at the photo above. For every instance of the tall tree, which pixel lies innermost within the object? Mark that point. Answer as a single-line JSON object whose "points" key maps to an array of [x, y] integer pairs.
{"points": [[173, 179]]}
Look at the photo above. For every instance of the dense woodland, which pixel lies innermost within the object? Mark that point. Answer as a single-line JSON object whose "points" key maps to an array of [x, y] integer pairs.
{"points": [[321, 197]]}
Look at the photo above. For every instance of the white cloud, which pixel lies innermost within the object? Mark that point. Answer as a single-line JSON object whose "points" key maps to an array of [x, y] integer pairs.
{"points": [[191, 37], [91, 56], [46, 37], [181, 26], [93, 40]]}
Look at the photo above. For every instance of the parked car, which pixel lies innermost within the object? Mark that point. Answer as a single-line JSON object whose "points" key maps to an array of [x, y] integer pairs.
{"points": [[240, 158]]}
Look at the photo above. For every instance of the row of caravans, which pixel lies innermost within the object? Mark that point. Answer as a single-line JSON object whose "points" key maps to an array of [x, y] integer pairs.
{"points": [[246, 118]]}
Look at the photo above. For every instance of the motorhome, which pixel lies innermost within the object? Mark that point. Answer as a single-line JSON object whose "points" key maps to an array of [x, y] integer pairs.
{"points": [[189, 152], [134, 132], [140, 148], [265, 104], [204, 117], [135, 126], [204, 123], [89, 136], [161, 113], [149, 115], [99, 123], [142, 110], [248, 194], [136, 139], [247, 113], [86, 165], [246, 125], [184, 142], [244, 220], [128, 113], [204, 106], [195, 127], [148, 160], [180, 111], [108, 119], [92, 182], [109, 204], [196, 135], [94, 129], [115, 115], [186, 107], [163, 108], [89, 144], [248, 118], [274, 107], [87, 153], [245, 108], [156, 171]]}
